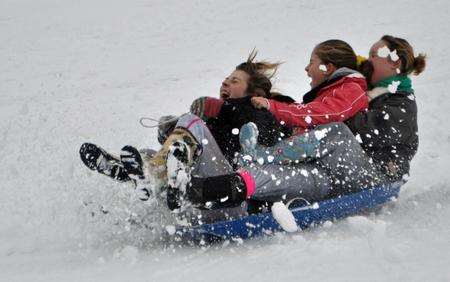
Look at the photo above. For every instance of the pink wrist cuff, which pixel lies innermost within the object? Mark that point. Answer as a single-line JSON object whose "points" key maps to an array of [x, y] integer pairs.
{"points": [[248, 180]]}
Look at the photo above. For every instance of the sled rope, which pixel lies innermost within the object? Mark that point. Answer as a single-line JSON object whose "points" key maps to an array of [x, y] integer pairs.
{"points": [[308, 204], [144, 121]]}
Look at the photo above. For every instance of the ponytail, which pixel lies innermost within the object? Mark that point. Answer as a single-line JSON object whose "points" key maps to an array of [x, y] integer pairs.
{"points": [[419, 64]]}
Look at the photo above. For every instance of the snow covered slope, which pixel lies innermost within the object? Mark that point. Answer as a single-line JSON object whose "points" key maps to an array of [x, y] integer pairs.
{"points": [[76, 71]]}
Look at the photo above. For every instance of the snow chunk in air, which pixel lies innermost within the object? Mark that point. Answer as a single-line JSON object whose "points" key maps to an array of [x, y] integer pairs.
{"points": [[260, 161], [320, 133], [247, 158], [383, 52], [394, 56], [393, 86], [170, 229], [308, 119]]}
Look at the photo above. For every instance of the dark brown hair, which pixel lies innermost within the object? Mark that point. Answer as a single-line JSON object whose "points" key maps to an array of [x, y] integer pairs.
{"points": [[336, 52], [405, 52], [260, 73]]}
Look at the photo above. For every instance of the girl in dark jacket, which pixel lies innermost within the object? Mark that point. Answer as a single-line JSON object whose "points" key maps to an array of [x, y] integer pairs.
{"points": [[209, 133], [388, 130]]}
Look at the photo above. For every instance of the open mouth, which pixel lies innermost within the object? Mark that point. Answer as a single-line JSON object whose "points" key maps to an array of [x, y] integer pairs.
{"points": [[224, 94]]}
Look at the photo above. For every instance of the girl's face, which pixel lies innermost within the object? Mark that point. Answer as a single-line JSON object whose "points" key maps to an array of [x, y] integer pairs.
{"points": [[317, 70], [385, 63], [235, 85]]}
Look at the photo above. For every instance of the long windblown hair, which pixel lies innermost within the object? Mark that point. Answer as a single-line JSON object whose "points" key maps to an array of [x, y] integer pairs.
{"points": [[261, 73]]}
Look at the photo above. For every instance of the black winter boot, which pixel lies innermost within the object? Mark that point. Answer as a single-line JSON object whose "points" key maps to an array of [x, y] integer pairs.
{"points": [[132, 162], [95, 158]]}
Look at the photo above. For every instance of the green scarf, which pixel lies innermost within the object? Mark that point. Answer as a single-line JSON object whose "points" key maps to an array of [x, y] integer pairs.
{"points": [[404, 86]]}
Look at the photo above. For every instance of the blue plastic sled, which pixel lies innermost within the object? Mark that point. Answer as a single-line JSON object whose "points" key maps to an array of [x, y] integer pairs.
{"points": [[264, 223]]}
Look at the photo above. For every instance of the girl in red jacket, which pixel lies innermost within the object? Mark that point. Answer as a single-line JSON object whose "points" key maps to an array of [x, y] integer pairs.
{"points": [[338, 93]]}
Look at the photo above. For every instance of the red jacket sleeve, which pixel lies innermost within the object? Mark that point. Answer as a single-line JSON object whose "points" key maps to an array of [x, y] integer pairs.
{"points": [[341, 103]]}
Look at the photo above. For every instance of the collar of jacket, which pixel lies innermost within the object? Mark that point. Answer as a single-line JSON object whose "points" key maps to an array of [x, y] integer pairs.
{"points": [[335, 77], [242, 100], [380, 91], [377, 92]]}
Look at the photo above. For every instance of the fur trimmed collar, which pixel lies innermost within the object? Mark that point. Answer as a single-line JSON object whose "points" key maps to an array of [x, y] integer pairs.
{"points": [[376, 92]]}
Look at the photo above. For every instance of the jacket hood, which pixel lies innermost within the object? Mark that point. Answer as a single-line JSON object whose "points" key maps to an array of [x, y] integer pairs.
{"points": [[341, 72], [336, 76]]}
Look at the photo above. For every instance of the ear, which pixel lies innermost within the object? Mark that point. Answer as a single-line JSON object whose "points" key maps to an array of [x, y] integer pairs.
{"points": [[330, 68]]}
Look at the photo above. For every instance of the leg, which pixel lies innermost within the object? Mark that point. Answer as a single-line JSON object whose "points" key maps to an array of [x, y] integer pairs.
{"points": [[281, 182], [334, 147], [261, 184], [208, 162], [211, 161], [288, 151], [205, 157], [348, 165]]}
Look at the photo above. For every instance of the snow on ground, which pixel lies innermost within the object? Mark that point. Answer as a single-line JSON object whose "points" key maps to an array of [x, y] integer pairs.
{"points": [[77, 71]]}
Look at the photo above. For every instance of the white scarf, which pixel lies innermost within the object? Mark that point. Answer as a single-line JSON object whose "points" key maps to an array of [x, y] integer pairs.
{"points": [[376, 92]]}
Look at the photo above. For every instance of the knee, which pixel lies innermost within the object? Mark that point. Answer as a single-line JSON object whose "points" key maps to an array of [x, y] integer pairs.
{"points": [[188, 120], [187, 117], [338, 129]]}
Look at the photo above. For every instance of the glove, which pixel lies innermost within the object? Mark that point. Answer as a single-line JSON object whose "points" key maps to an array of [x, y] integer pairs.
{"points": [[206, 107]]}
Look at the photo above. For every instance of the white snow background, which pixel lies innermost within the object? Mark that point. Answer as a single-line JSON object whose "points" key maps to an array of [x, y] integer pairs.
{"points": [[77, 71]]}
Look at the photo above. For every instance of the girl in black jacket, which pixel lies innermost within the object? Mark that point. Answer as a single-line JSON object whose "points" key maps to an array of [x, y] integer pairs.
{"points": [[209, 134], [388, 130]]}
